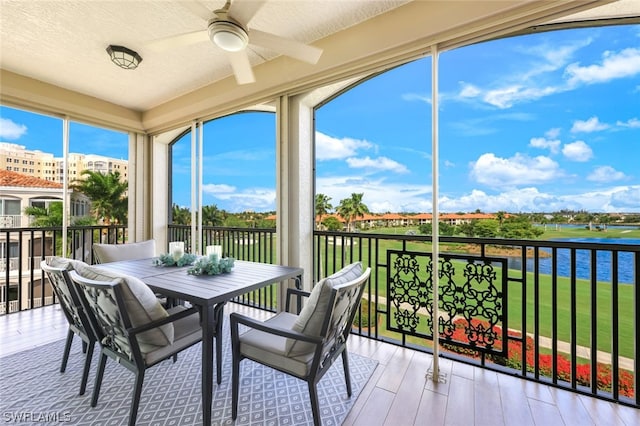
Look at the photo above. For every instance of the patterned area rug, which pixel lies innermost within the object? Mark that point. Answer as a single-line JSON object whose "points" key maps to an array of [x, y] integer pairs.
{"points": [[33, 391]]}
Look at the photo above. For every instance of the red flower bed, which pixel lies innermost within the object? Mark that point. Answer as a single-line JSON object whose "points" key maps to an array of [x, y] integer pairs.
{"points": [[545, 361]]}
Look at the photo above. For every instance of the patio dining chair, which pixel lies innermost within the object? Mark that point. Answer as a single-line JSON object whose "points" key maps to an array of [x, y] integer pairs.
{"points": [[304, 345], [105, 253], [79, 324], [131, 326]]}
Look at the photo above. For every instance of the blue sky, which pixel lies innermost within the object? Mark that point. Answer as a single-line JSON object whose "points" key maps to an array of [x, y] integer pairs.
{"points": [[536, 123]]}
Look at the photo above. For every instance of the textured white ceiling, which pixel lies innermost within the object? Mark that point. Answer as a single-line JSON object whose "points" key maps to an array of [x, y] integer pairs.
{"points": [[64, 42]]}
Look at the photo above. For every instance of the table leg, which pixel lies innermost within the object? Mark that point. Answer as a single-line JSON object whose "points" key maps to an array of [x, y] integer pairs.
{"points": [[207, 318], [218, 313]]}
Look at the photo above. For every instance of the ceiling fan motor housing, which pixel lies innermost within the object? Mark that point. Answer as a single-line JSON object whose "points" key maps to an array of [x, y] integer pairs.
{"points": [[228, 35]]}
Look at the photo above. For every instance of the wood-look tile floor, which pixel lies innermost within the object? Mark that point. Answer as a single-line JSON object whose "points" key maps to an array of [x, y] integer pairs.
{"points": [[399, 394]]}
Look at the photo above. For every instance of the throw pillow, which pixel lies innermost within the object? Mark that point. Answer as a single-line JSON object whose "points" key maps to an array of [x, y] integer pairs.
{"points": [[313, 313]]}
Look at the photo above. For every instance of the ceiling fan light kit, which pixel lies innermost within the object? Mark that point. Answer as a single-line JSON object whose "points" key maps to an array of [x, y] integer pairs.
{"points": [[228, 35], [123, 57], [229, 30]]}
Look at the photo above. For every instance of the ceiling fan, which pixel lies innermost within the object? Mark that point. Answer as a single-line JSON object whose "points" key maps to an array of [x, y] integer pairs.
{"points": [[228, 29]]}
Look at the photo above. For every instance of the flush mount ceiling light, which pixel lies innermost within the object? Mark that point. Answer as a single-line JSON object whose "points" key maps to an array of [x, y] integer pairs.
{"points": [[228, 35], [123, 57]]}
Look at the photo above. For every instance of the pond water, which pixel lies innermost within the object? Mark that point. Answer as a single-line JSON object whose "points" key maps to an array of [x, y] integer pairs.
{"points": [[626, 272]]}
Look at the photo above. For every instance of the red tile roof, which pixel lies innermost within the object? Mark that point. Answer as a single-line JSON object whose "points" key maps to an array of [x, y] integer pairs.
{"points": [[8, 178]]}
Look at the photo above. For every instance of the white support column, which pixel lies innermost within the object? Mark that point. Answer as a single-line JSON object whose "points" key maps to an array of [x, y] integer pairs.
{"points": [[294, 186], [159, 202], [194, 199], [200, 250], [65, 184], [435, 373], [140, 193]]}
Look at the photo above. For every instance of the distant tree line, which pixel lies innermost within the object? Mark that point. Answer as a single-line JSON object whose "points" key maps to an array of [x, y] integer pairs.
{"points": [[513, 227], [213, 216]]}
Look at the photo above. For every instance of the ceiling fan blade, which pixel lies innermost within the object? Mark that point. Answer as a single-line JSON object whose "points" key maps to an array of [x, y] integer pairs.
{"points": [[292, 48], [178, 40], [241, 66], [244, 10], [197, 9]]}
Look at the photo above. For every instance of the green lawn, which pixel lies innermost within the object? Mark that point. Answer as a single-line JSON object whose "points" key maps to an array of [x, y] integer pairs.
{"points": [[611, 232]]}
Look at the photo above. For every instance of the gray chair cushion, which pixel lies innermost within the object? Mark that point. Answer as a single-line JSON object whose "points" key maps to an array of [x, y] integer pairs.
{"points": [[105, 253], [272, 349], [313, 313], [141, 304], [187, 331]]}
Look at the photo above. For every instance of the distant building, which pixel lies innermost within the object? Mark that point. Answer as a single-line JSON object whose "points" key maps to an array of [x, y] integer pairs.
{"points": [[43, 165], [21, 252]]}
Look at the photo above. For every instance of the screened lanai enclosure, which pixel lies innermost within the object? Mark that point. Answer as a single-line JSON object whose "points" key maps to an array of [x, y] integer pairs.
{"points": [[324, 98]]}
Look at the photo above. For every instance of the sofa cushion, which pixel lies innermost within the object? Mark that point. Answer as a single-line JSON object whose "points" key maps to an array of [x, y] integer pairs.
{"points": [[105, 253], [141, 304], [313, 313]]}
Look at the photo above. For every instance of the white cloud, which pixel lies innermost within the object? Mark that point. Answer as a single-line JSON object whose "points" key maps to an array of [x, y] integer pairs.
{"points": [[605, 174], [625, 199], [484, 125], [593, 124], [543, 143], [553, 133], [218, 190], [506, 97], [625, 63], [615, 199], [517, 170], [377, 164], [632, 123], [537, 61], [544, 62], [330, 148], [577, 151], [517, 200], [469, 91], [449, 164], [256, 199], [380, 196], [417, 97], [10, 130]]}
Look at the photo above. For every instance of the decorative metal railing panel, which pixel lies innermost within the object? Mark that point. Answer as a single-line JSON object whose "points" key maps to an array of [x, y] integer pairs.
{"points": [[472, 293]]}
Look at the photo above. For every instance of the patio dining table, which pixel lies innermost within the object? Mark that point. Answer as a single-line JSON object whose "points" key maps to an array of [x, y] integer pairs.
{"points": [[208, 293]]}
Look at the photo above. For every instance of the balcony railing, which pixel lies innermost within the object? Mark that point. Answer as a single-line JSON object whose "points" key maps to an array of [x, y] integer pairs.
{"points": [[22, 250], [560, 313]]}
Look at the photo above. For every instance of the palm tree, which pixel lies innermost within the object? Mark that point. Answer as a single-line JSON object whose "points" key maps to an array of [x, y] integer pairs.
{"points": [[107, 194], [180, 215], [351, 208], [323, 207], [45, 217], [51, 217], [211, 216]]}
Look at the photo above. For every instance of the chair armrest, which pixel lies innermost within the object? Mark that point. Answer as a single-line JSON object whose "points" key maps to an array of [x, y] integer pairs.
{"points": [[236, 318], [291, 292], [157, 323]]}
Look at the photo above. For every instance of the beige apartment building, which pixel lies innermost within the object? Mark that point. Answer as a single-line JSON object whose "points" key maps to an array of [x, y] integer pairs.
{"points": [[43, 165]]}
